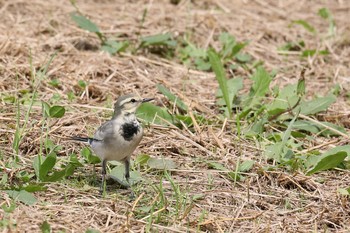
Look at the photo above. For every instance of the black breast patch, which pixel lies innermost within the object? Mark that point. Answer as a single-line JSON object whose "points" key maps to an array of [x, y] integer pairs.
{"points": [[129, 130]]}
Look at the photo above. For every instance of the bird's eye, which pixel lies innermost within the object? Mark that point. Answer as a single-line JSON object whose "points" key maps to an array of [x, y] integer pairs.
{"points": [[132, 100]]}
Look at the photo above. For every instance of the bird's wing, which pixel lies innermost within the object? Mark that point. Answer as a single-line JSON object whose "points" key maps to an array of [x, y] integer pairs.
{"points": [[105, 131]]}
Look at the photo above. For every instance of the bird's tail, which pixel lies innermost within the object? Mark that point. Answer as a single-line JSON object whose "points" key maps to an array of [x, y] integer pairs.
{"points": [[82, 139]]}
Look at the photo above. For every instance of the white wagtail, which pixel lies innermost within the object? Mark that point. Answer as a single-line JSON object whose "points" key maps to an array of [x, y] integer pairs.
{"points": [[117, 138]]}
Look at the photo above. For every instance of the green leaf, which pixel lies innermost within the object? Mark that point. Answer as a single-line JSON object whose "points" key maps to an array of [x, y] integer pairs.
{"points": [[92, 231], [260, 87], [152, 113], [82, 84], [287, 98], [246, 165], [343, 191], [306, 25], [217, 166], [234, 86], [317, 105], [243, 57], [201, 64], [73, 159], [326, 132], [84, 23], [57, 111], [34, 188], [36, 165], [328, 160], [22, 196], [47, 166], [261, 83], [157, 40], [56, 176], [118, 173], [46, 108], [301, 86], [45, 227], [113, 47], [324, 13], [308, 53], [221, 78], [142, 159], [10, 208], [307, 126], [161, 164], [173, 98], [89, 157]]}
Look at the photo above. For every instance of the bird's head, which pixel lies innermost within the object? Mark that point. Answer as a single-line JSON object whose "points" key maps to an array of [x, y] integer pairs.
{"points": [[128, 104]]}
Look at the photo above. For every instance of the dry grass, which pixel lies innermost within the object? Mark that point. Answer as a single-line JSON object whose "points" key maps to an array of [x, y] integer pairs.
{"points": [[274, 201]]}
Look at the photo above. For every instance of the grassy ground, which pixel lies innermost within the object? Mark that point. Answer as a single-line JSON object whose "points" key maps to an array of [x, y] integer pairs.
{"points": [[197, 193]]}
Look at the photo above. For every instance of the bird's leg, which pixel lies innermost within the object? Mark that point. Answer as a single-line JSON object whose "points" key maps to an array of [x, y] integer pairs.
{"points": [[127, 170], [104, 168], [127, 176]]}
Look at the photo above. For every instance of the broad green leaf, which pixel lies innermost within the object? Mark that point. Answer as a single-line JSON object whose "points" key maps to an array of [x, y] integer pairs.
{"points": [[73, 159], [142, 159], [173, 98], [261, 82], [327, 161], [22, 196], [327, 132], [311, 127], [243, 57], [47, 166], [45, 227], [84, 23], [344, 191], [113, 47], [56, 176], [57, 111], [306, 25], [246, 165], [279, 150], [161, 164], [221, 77], [10, 208], [34, 188], [228, 42], [90, 158], [201, 64], [317, 105], [307, 126], [152, 113], [234, 86], [118, 172], [287, 98], [159, 39], [217, 166], [276, 151]]}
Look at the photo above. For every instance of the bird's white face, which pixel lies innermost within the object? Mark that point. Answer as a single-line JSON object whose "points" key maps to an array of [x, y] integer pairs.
{"points": [[128, 104]]}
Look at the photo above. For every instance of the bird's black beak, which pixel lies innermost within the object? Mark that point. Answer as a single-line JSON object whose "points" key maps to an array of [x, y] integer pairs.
{"points": [[147, 100]]}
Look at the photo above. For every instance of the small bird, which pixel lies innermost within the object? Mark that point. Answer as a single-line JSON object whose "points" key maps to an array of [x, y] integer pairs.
{"points": [[117, 138]]}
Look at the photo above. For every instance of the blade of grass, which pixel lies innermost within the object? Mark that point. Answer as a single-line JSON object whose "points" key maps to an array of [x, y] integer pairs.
{"points": [[219, 71]]}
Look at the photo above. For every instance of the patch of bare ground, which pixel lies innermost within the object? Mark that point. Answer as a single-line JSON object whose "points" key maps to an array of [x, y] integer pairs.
{"points": [[266, 201]]}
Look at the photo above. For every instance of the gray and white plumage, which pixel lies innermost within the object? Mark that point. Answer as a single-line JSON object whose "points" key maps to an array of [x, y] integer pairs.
{"points": [[117, 138]]}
